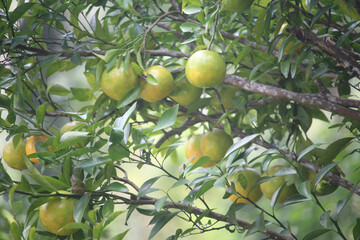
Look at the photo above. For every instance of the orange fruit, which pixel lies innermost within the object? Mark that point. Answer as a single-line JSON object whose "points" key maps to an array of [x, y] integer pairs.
{"points": [[215, 143], [226, 93], [117, 83], [269, 188], [31, 147], [187, 94], [154, 93], [236, 5], [205, 69], [193, 149], [246, 178], [14, 155], [58, 213]]}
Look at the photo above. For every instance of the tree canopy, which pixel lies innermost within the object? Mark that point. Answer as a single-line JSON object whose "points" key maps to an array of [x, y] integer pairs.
{"points": [[203, 100]]}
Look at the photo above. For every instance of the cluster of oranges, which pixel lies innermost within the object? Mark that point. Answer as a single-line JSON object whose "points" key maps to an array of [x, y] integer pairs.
{"points": [[58, 211]]}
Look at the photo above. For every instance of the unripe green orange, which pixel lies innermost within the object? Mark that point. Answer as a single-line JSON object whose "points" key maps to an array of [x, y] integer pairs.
{"points": [[58, 213], [248, 178], [188, 93], [215, 144], [193, 149], [269, 188], [153, 93], [14, 155], [117, 83], [205, 69]]}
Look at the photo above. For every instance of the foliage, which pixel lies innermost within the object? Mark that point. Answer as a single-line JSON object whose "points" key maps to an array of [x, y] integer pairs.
{"points": [[293, 63]]}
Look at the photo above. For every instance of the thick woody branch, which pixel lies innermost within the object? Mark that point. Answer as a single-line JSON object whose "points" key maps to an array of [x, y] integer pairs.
{"points": [[312, 100], [346, 59]]}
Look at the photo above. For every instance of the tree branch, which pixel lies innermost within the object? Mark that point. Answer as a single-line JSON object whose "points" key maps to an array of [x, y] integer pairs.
{"points": [[347, 59]]}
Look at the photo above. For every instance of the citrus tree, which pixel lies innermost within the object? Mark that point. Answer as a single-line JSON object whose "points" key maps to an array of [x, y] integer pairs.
{"points": [[214, 103]]}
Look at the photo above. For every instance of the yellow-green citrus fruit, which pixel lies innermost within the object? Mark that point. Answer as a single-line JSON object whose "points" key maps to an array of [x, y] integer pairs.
{"points": [[349, 10], [193, 149], [187, 93], [75, 126], [14, 155], [154, 93], [58, 213], [324, 187], [236, 5], [245, 177], [117, 83], [31, 146], [215, 143], [205, 69], [226, 93], [269, 188]]}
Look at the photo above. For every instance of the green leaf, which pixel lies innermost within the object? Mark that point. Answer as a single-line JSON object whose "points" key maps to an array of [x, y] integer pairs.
{"points": [[37, 176], [191, 9], [81, 94], [316, 233], [333, 150], [319, 14], [57, 184], [325, 219], [285, 66], [168, 118], [107, 208], [117, 187], [307, 150], [11, 193], [129, 97], [76, 58], [121, 122], [341, 204], [40, 114], [160, 203], [80, 207], [15, 231], [304, 189], [146, 186], [189, 27], [4, 101], [93, 162], [260, 223], [120, 236], [204, 187], [37, 203], [57, 89], [151, 80], [19, 12], [322, 173], [32, 233], [241, 143], [356, 229], [118, 152], [161, 222], [71, 138], [255, 70], [111, 54], [199, 163], [75, 225]]}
